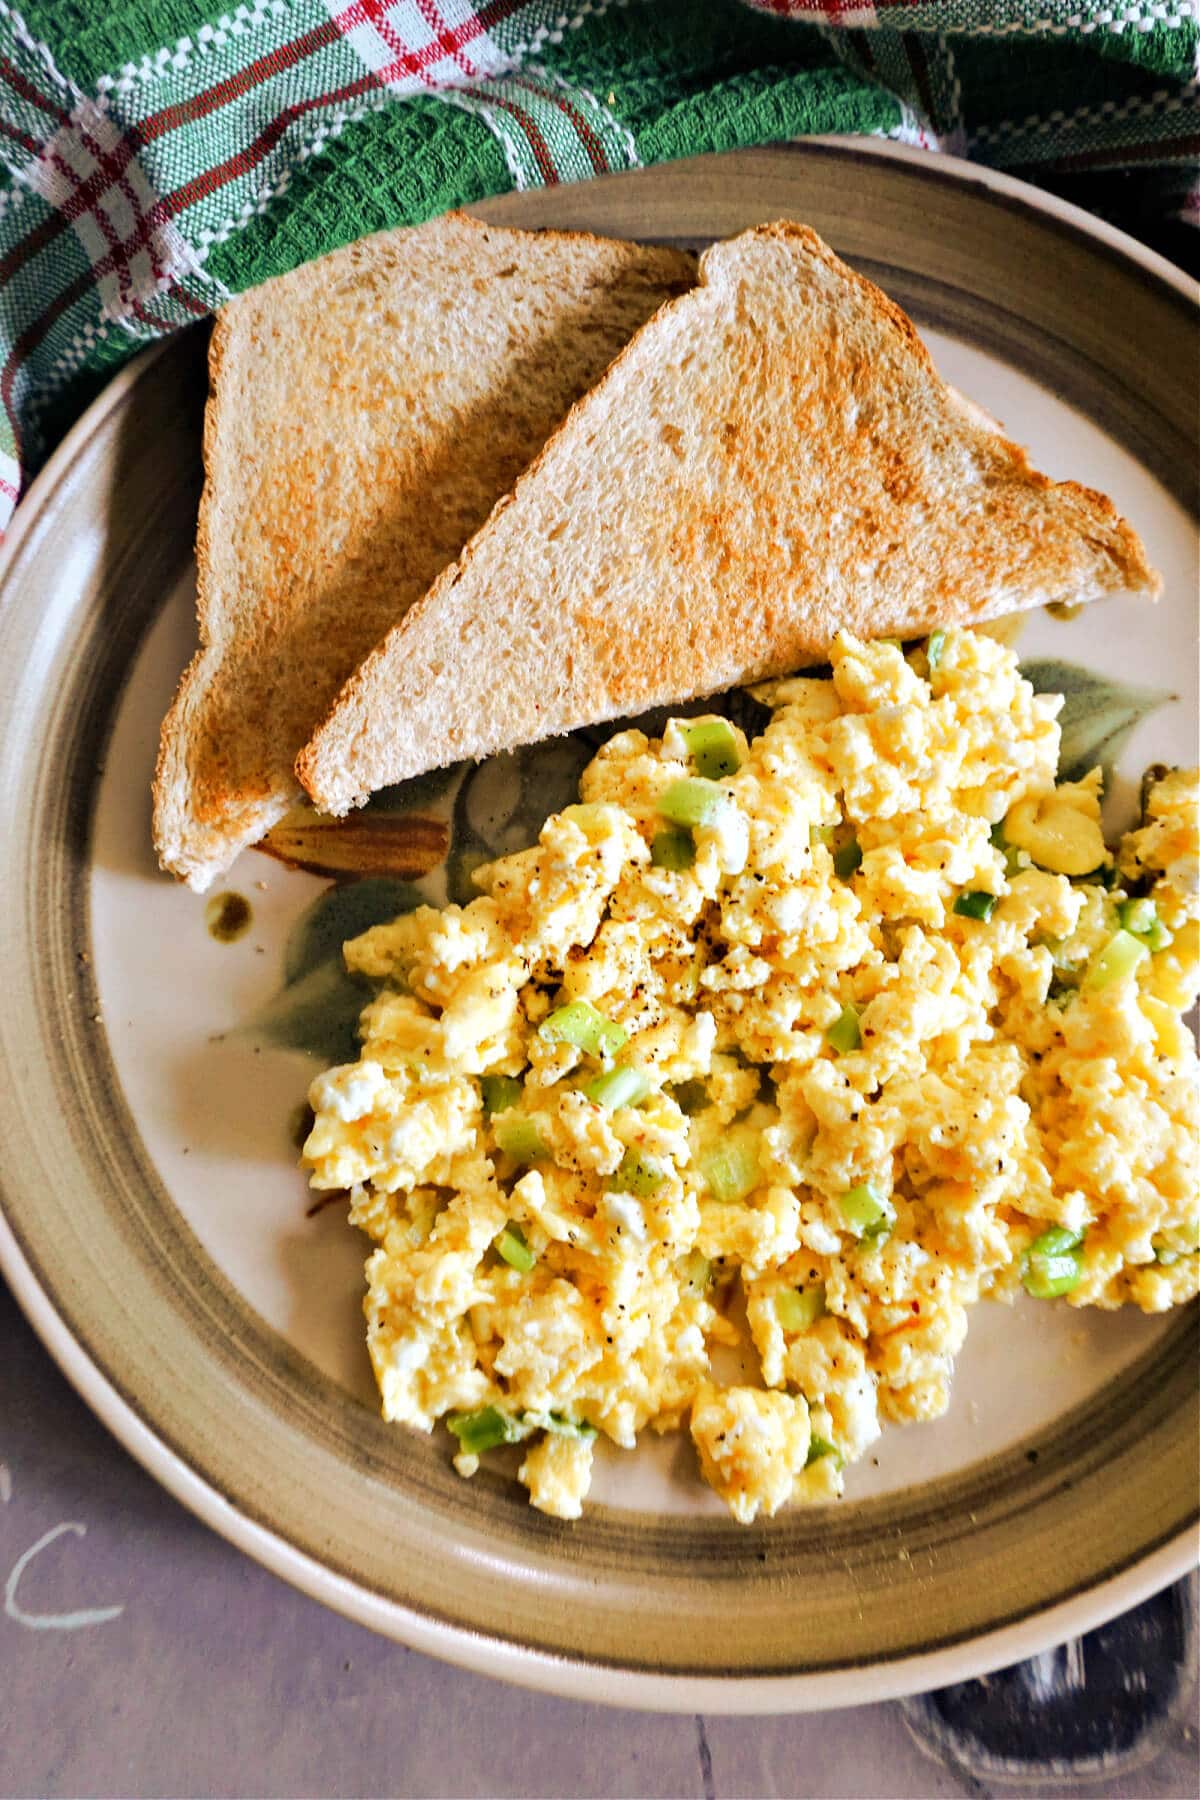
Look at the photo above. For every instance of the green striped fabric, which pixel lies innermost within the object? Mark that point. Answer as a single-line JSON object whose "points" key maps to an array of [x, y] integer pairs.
{"points": [[157, 156]]}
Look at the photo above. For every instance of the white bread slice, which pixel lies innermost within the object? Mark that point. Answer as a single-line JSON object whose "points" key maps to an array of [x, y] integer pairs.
{"points": [[365, 413], [773, 458]]}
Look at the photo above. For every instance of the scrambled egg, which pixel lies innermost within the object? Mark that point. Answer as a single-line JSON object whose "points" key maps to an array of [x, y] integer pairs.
{"points": [[813, 1041]]}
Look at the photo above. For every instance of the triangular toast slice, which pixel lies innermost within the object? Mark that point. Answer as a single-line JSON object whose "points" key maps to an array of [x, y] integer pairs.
{"points": [[366, 411], [774, 457]]}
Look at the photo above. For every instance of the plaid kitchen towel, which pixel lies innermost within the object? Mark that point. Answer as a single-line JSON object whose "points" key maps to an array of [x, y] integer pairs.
{"points": [[157, 156]]}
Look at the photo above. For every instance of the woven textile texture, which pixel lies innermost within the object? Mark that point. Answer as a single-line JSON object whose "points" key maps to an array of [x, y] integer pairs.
{"points": [[157, 156]]}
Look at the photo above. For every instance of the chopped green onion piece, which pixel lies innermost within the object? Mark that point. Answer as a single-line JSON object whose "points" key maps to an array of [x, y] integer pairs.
{"points": [[1055, 1240], [1061, 992], [713, 748], [798, 1308], [1140, 918], [934, 648], [844, 1034], [1184, 1242], [847, 858], [577, 1428], [500, 1093], [692, 801], [1012, 857], [731, 1169], [1137, 916], [697, 1270], [1053, 1263], [691, 1096], [689, 982], [1118, 960], [558, 1424], [519, 1137], [1057, 948], [864, 1212], [483, 1430], [638, 1175], [673, 848], [580, 1024], [512, 1247], [618, 1087], [819, 1447], [975, 905]]}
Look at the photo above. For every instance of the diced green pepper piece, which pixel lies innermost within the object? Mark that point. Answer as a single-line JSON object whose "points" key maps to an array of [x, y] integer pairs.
{"points": [[519, 1137], [1140, 919], [692, 801], [580, 1024], [731, 1169], [673, 848], [638, 1175], [618, 1087], [511, 1245], [865, 1214], [845, 1033], [713, 747], [934, 647], [1116, 962], [500, 1093], [847, 858], [798, 1308], [483, 1430], [975, 905], [819, 1447], [1053, 1263]]}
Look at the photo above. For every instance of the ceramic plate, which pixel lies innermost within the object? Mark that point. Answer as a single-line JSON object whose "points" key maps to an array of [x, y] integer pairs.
{"points": [[157, 1229]]}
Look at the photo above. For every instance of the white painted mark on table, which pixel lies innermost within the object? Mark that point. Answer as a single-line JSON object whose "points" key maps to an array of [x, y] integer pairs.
{"points": [[5, 1484], [67, 1621]]}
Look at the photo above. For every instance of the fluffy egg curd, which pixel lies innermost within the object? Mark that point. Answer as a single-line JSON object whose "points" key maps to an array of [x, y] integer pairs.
{"points": [[801, 1046]]}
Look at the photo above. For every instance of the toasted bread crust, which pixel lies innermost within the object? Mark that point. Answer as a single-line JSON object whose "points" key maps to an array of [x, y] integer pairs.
{"points": [[771, 459], [364, 413]]}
